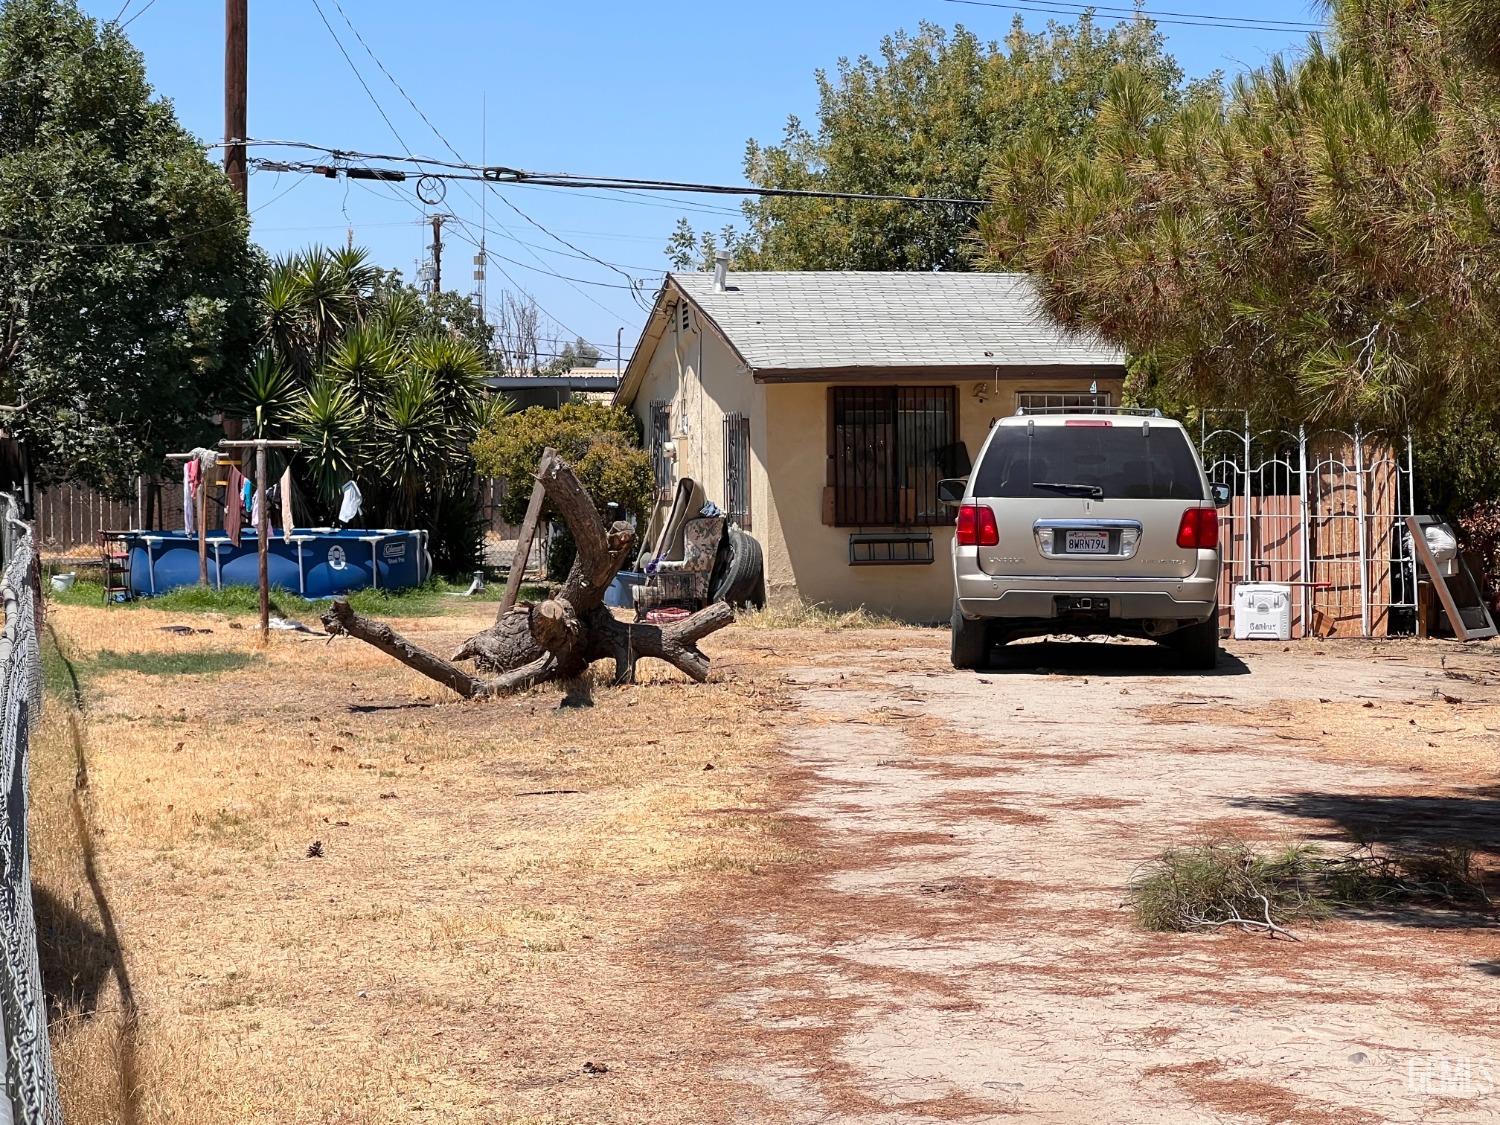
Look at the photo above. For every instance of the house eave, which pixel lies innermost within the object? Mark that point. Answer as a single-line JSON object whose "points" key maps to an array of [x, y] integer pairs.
{"points": [[895, 373]]}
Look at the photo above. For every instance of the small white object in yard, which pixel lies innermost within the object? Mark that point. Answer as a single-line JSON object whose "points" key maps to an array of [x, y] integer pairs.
{"points": [[287, 626], [62, 583], [475, 587]]}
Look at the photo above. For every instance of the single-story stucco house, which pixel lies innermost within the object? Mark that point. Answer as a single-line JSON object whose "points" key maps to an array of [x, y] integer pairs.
{"points": [[820, 409]]}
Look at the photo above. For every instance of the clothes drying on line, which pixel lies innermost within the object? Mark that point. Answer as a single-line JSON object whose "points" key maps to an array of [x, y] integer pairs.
{"points": [[350, 505]]}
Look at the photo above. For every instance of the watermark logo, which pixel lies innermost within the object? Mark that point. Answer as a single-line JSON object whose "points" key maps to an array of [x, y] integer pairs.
{"points": [[1452, 1076]]}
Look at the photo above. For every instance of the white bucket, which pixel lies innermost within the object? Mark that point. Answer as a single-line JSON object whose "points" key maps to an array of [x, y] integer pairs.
{"points": [[62, 583]]}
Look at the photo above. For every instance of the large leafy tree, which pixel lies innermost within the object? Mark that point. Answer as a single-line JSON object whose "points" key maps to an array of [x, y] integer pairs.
{"points": [[601, 443], [127, 283], [930, 116], [1319, 242]]}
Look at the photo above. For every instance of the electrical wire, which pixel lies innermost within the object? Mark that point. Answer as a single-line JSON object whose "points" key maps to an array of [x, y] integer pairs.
{"points": [[1179, 19], [138, 15], [514, 284], [402, 141], [497, 174], [451, 148]]}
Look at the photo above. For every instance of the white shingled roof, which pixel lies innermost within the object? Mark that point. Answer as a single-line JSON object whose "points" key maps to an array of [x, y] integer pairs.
{"points": [[833, 319]]}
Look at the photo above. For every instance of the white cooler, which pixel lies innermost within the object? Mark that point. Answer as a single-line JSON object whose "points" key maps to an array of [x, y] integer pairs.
{"points": [[1262, 611]]}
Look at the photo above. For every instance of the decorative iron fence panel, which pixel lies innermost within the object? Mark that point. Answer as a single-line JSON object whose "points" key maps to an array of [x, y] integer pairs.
{"points": [[1321, 511]]}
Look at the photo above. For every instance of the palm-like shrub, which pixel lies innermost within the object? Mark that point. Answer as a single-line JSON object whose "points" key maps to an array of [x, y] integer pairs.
{"points": [[364, 372]]}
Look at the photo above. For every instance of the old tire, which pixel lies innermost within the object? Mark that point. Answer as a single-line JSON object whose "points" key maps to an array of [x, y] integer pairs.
{"points": [[1197, 646], [739, 571], [970, 643]]}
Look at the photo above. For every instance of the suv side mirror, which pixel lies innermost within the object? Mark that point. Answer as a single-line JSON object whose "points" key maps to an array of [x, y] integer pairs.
{"points": [[1221, 494], [951, 491]]}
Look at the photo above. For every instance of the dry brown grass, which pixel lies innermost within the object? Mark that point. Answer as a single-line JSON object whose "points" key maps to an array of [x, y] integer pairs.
{"points": [[487, 913]]}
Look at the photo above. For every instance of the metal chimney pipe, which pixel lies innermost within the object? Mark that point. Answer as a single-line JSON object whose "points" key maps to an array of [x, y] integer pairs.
{"points": [[721, 270]]}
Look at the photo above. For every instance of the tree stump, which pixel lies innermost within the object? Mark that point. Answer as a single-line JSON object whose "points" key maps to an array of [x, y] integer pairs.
{"points": [[557, 639]]}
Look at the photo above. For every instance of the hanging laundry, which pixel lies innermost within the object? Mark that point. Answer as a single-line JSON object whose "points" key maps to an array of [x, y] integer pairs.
{"points": [[190, 477], [349, 508], [257, 504], [234, 507], [199, 462], [284, 487]]}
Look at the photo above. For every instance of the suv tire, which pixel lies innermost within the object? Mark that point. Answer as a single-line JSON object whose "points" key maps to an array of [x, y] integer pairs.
{"points": [[970, 642], [1197, 646]]}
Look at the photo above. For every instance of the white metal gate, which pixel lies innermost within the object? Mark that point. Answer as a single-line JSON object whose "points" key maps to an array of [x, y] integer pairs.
{"points": [[1322, 511]]}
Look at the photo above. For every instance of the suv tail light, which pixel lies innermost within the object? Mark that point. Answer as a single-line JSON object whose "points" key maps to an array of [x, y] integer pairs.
{"points": [[977, 527], [1199, 530]]}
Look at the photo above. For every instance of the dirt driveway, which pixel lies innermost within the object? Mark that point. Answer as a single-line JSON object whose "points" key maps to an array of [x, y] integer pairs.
{"points": [[955, 948]]}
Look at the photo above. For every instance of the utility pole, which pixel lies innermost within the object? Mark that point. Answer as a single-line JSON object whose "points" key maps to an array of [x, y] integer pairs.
{"points": [[236, 69], [437, 252]]}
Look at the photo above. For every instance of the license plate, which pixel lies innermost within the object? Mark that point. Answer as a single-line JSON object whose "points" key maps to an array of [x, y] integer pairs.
{"points": [[1086, 543]]}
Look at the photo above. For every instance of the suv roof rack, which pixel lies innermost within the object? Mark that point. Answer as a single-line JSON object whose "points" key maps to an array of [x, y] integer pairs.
{"points": [[1131, 411]]}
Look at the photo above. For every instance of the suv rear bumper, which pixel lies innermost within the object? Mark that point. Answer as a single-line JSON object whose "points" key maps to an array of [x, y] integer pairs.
{"points": [[1194, 598]]}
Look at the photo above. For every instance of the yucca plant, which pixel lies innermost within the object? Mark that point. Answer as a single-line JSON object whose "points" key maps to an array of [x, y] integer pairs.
{"points": [[331, 428], [363, 362], [266, 395], [412, 439], [457, 370], [283, 317]]}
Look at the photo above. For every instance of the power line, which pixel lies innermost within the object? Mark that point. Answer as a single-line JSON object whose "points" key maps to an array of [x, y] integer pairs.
{"points": [[380, 109], [402, 141], [451, 148], [1179, 19], [138, 15], [504, 175], [516, 285]]}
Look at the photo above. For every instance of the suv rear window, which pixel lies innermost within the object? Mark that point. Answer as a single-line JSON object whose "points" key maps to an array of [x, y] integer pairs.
{"points": [[1127, 462]]}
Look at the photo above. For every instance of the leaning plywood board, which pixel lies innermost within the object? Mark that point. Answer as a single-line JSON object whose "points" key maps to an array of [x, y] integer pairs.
{"points": [[1463, 603]]}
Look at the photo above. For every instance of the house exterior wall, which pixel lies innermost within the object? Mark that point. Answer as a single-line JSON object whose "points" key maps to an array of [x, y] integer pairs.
{"points": [[808, 559], [701, 379]]}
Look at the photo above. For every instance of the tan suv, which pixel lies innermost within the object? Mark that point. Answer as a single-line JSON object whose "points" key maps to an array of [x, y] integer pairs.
{"points": [[1084, 524]]}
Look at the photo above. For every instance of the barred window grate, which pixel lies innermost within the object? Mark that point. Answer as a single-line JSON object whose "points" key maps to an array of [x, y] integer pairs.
{"points": [[889, 447], [737, 469], [661, 434]]}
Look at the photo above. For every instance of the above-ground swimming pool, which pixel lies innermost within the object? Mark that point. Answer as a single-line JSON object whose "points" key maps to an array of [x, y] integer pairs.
{"points": [[316, 562]]}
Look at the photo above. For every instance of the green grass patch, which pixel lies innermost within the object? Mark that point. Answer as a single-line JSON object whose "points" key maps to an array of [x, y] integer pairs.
{"points": [[433, 598], [206, 662]]}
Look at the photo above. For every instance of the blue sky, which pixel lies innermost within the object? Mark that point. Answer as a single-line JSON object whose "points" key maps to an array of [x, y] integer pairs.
{"points": [[670, 89]]}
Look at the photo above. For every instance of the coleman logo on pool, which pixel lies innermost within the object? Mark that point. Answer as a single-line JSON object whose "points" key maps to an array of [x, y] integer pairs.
{"points": [[336, 558], [394, 550]]}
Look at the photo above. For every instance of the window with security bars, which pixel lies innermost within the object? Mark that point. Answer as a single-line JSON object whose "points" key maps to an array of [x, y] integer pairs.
{"points": [[1063, 402], [888, 448], [737, 468], [661, 433]]}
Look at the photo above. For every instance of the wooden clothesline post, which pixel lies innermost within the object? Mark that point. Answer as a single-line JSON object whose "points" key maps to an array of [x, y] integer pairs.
{"points": [[260, 445]]}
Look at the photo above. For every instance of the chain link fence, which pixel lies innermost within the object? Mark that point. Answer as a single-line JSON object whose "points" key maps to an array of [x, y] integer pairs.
{"points": [[30, 1083]]}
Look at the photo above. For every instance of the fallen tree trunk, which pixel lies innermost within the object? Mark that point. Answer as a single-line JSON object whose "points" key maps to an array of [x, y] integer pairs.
{"points": [[559, 638]]}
